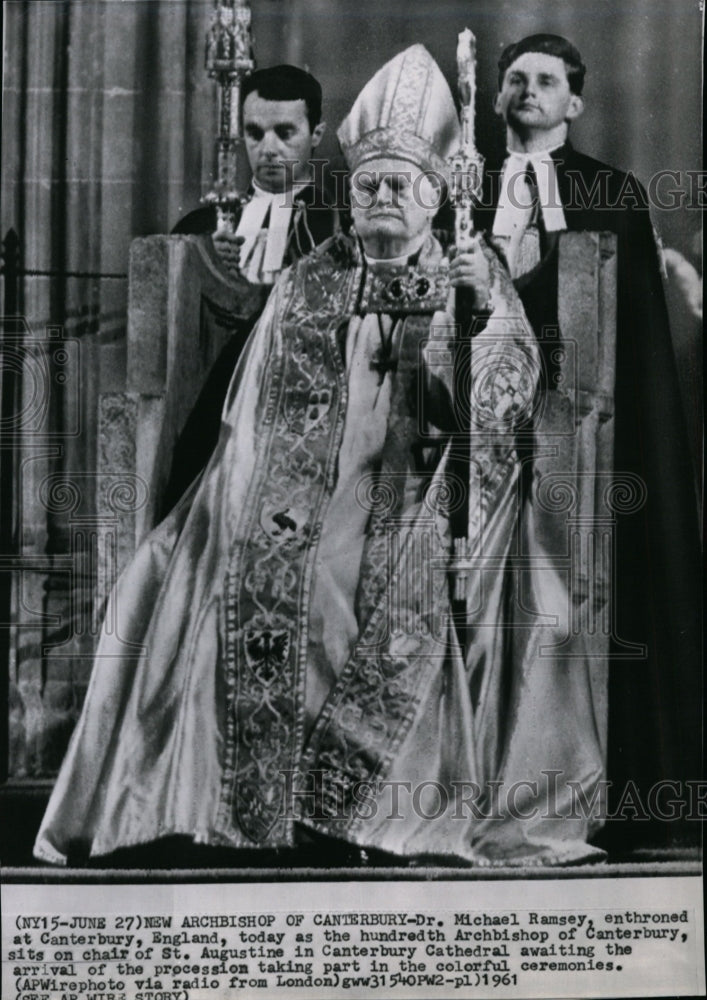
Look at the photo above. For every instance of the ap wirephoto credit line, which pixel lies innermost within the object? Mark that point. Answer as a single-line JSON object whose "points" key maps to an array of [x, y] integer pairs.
{"points": [[350, 618]]}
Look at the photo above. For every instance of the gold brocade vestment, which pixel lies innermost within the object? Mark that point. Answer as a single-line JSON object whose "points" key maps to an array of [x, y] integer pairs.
{"points": [[248, 678]]}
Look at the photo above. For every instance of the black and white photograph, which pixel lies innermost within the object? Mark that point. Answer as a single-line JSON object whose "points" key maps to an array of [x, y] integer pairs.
{"points": [[351, 448]]}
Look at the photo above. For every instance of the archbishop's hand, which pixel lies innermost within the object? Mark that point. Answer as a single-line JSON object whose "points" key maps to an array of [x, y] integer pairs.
{"points": [[470, 269], [228, 247]]}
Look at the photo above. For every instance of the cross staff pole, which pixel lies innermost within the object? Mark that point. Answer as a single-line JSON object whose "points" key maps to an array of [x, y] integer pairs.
{"points": [[467, 165], [466, 172]]}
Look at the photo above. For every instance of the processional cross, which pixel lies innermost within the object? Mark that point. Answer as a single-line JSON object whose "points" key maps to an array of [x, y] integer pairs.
{"points": [[229, 58]]}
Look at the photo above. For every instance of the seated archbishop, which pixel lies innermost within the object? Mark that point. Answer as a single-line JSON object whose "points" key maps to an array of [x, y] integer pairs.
{"points": [[280, 657]]}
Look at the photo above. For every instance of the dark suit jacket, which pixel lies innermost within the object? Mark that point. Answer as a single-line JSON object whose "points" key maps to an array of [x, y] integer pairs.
{"points": [[654, 713]]}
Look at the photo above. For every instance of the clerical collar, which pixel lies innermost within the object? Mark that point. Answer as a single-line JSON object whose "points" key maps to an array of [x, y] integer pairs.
{"points": [[260, 192], [540, 154], [386, 261], [511, 213], [407, 258]]}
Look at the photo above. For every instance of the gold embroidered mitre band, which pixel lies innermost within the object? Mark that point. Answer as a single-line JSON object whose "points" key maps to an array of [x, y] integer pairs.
{"points": [[406, 111]]}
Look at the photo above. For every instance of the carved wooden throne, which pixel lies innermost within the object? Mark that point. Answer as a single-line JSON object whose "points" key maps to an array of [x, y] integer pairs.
{"points": [[182, 309]]}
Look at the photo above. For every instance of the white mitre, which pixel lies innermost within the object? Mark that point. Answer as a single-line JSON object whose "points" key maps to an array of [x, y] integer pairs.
{"points": [[406, 111]]}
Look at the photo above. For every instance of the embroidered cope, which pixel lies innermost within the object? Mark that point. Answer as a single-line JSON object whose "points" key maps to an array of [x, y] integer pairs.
{"points": [[287, 629]]}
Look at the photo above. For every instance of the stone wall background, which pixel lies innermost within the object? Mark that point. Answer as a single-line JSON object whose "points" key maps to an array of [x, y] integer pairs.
{"points": [[108, 126], [107, 132]]}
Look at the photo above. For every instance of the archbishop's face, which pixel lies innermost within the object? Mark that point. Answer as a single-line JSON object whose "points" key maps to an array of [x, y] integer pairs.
{"points": [[393, 203]]}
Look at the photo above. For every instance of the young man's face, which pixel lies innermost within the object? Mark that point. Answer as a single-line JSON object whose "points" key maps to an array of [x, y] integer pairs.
{"points": [[279, 141], [535, 95]]}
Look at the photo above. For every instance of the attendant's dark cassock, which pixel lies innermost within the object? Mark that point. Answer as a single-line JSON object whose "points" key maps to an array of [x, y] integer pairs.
{"points": [[654, 703], [307, 229], [313, 222]]}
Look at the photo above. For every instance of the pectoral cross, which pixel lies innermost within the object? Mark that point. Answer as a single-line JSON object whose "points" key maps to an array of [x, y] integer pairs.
{"points": [[383, 361]]}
